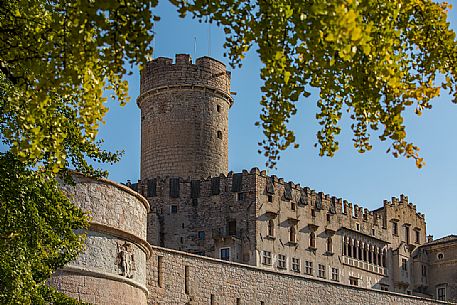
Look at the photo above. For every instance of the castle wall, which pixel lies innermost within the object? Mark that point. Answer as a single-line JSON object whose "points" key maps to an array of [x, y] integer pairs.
{"points": [[183, 278], [206, 219], [350, 244], [113, 264], [440, 261], [184, 118]]}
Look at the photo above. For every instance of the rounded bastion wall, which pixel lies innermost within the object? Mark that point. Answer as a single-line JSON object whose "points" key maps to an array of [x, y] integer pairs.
{"points": [[184, 117], [112, 268]]}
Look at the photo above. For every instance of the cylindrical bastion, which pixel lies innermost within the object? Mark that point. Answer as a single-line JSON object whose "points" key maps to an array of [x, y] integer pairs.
{"points": [[112, 269]]}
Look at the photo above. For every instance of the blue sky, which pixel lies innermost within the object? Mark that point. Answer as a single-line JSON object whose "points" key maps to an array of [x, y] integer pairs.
{"points": [[364, 179]]}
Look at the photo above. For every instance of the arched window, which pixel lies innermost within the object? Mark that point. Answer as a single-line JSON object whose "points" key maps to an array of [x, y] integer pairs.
{"points": [[312, 240], [271, 228], [329, 245], [292, 234]]}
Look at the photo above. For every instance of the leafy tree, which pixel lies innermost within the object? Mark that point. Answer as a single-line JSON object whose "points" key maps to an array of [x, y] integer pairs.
{"points": [[373, 59], [37, 234], [58, 59]]}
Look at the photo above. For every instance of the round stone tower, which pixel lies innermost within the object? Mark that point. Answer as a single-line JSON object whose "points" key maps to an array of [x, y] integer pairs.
{"points": [[112, 268], [184, 117]]}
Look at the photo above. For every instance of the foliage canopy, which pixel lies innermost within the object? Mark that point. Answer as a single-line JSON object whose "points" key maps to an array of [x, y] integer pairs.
{"points": [[373, 59], [38, 234], [57, 58]]}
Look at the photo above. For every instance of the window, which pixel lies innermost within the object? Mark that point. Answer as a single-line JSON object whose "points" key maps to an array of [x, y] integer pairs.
{"points": [[232, 227], [335, 275], [266, 258], [219, 134], [271, 228], [160, 271], [292, 234], [308, 268], [201, 235], [174, 209], [424, 270], [418, 237], [292, 206], [328, 217], [441, 293], [321, 271], [225, 254], [329, 245], [440, 256], [357, 226], [395, 228], [353, 281], [186, 279], [270, 198], [372, 231], [296, 264], [281, 261], [240, 196], [218, 108], [406, 234], [404, 265], [312, 240], [313, 213]]}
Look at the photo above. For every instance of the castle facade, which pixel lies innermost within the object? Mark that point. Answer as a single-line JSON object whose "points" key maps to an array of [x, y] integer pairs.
{"points": [[246, 224]]}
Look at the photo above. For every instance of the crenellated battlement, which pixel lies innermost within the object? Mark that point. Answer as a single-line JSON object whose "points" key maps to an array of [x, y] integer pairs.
{"points": [[256, 181], [162, 74]]}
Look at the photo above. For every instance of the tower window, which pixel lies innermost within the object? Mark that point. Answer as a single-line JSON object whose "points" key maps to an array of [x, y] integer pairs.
{"points": [[441, 293], [225, 254], [219, 134], [292, 234], [395, 228], [312, 240], [271, 230], [201, 235], [329, 245], [218, 107]]}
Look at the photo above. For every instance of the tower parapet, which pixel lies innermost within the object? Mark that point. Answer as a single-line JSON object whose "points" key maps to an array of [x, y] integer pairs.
{"points": [[184, 117]]}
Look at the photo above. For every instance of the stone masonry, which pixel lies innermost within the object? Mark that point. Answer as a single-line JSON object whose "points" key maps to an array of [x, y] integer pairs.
{"points": [[112, 269], [180, 278], [190, 232], [184, 117]]}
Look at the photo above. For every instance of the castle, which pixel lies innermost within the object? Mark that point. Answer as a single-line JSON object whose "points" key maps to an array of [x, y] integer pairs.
{"points": [[190, 232]]}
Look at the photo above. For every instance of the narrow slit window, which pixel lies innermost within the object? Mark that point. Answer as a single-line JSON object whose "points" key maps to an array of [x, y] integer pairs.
{"points": [[186, 279], [160, 271], [219, 134]]}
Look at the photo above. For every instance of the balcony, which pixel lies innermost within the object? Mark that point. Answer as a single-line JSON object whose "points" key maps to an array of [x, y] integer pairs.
{"points": [[346, 260]]}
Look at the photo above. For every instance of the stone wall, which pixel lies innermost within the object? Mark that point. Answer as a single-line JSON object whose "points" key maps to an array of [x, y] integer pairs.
{"points": [[184, 278], [184, 117], [112, 268]]}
